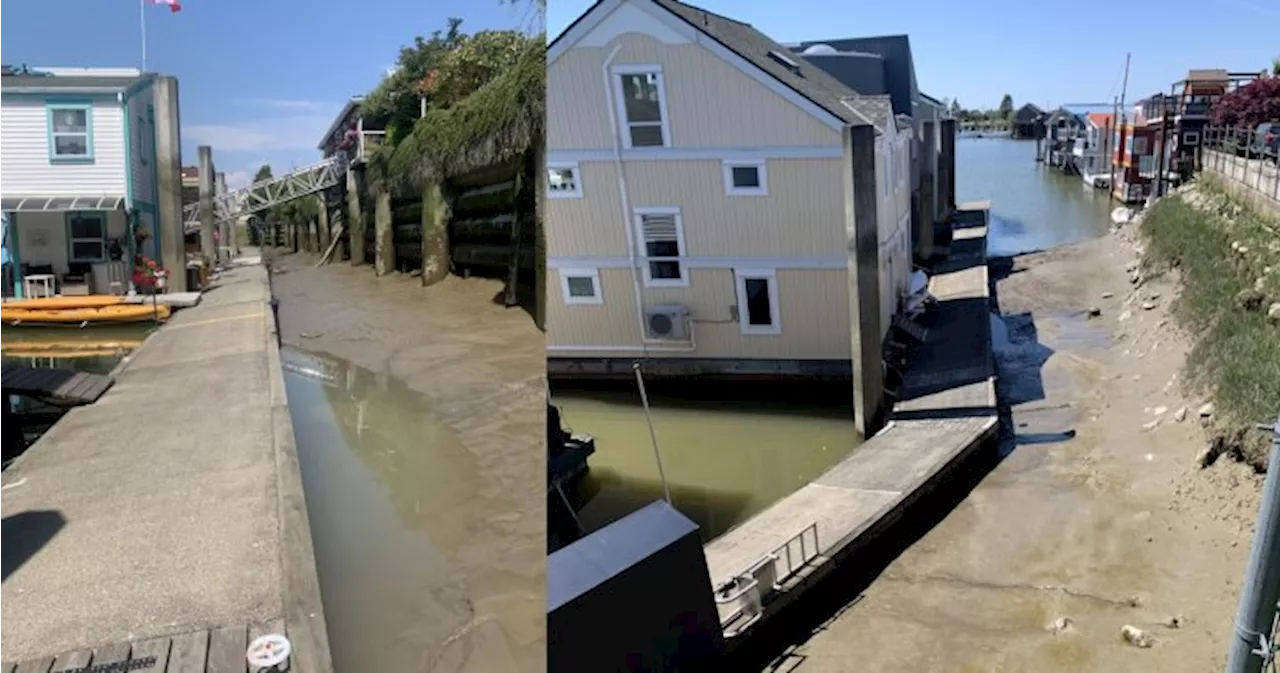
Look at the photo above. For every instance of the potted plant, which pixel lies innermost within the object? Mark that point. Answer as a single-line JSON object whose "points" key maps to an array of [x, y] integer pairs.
{"points": [[148, 276]]}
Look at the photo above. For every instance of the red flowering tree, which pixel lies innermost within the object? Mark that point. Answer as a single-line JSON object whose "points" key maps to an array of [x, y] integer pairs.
{"points": [[1250, 105]]}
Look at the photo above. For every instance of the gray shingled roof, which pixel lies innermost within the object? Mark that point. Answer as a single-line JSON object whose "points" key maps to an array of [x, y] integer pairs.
{"points": [[806, 79], [70, 82]]}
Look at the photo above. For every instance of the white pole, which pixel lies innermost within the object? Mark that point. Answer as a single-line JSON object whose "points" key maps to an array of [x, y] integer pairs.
{"points": [[653, 436], [142, 19]]}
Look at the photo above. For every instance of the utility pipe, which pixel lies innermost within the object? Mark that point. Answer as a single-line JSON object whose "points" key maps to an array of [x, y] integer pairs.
{"points": [[1256, 613]]}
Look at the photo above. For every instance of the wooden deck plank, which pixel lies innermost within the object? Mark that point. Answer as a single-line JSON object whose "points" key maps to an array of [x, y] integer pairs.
{"points": [[227, 647], [189, 653], [72, 661], [63, 385], [111, 654], [156, 647], [35, 666]]}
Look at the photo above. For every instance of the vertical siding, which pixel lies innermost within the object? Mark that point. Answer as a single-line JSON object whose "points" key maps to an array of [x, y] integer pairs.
{"points": [[814, 313], [25, 168], [802, 215], [710, 102], [894, 222], [42, 237], [142, 146]]}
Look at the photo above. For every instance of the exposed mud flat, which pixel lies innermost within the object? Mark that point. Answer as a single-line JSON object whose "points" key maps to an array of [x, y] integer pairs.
{"points": [[1097, 517], [421, 414]]}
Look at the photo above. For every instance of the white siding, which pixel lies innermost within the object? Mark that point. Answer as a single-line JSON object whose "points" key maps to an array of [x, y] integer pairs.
{"points": [[25, 168], [42, 237], [142, 143]]}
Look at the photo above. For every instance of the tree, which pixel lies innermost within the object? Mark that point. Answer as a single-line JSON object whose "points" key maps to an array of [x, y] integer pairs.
{"points": [[1250, 105], [956, 110], [1006, 107], [398, 97], [1275, 66]]}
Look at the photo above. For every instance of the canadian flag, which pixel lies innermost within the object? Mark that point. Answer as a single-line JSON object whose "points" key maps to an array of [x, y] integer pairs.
{"points": [[174, 5]]}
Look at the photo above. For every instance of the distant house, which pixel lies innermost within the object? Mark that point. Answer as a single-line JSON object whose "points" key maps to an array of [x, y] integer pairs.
{"points": [[1135, 156], [884, 65], [351, 133], [1028, 122], [1092, 149], [699, 181]]}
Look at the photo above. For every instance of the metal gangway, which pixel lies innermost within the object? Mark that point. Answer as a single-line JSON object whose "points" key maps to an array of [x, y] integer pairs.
{"points": [[269, 193]]}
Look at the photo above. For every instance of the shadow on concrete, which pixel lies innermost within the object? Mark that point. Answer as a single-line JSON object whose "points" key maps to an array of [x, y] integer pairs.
{"points": [[24, 534], [1032, 438]]}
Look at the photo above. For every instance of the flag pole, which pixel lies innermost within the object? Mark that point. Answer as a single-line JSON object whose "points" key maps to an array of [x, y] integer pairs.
{"points": [[142, 19]]}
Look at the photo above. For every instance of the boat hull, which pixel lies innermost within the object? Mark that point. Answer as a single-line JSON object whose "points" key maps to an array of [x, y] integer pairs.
{"points": [[105, 315], [64, 303]]}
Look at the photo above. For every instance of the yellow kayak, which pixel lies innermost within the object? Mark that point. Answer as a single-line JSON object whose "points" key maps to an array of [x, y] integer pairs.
{"points": [[62, 354], [48, 348], [61, 303], [122, 313]]}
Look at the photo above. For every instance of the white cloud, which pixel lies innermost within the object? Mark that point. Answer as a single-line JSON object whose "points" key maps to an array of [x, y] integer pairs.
{"points": [[238, 179], [316, 106], [298, 132]]}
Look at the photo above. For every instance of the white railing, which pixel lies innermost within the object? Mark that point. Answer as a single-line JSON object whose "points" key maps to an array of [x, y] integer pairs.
{"points": [[746, 591], [273, 192]]}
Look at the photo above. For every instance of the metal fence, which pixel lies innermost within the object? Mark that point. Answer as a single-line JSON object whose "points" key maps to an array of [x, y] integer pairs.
{"points": [[1243, 157]]}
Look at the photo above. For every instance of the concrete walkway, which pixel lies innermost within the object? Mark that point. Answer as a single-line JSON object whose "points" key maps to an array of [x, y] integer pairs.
{"points": [[171, 506], [947, 408]]}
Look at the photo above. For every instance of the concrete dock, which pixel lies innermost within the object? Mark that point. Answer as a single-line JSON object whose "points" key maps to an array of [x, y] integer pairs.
{"points": [[167, 519], [946, 409]]}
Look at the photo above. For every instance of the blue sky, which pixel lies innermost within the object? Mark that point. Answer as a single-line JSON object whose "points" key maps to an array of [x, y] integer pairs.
{"points": [[259, 81], [1041, 52]]}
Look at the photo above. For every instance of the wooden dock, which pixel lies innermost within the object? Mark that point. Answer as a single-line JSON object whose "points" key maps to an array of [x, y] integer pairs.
{"points": [[61, 386], [946, 409], [207, 651]]}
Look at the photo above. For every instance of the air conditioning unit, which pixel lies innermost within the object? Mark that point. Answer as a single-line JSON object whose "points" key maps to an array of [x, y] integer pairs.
{"points": [[669, 322]]}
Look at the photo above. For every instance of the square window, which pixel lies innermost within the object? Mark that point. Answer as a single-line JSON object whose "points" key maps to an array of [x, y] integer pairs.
{"points": [[758, 301], [70, 132], [563, 181], [581, 286], [745, 178], [87, 237]]}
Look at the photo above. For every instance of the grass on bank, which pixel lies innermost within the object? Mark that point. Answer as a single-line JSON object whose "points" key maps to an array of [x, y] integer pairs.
{"points": [[1236, 355]]}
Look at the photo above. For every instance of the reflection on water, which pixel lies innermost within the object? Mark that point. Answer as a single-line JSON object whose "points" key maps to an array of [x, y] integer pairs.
{"points": [[728, 452], [412, 572], [96, 350], [1033, 207]]}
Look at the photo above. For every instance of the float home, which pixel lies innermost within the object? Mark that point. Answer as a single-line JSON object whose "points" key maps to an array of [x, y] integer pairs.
{"points": [[716, 203], [78, 176]]}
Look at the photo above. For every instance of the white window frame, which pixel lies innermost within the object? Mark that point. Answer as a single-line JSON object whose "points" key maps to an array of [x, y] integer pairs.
{"points": [[582, 272], [637, 218], [770, 276], [761, 172], [621, 106], [576, 192], [1191, 138]]}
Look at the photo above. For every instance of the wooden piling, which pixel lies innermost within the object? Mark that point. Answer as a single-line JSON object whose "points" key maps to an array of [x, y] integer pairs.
{"points": [[384, 249], [355, 220], [322, 225], [436, 211]]}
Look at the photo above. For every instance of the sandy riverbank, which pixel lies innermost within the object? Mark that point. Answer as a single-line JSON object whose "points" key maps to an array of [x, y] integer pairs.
{"points": [[480, 370], [1098, 517]]}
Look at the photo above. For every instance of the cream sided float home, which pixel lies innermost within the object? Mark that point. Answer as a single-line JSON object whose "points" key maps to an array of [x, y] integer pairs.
{"points": [[717, 205], [80, 173]]}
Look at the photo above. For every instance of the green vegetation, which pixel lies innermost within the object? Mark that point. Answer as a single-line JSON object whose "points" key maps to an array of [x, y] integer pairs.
{"points": [[1228, 257]]}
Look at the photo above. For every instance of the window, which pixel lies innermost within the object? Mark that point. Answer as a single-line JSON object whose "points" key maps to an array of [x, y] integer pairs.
{"points": [[661, 236], [642, 106], [87, 237], [1146, 164], [581, 286], [758, 301], [563, 181], [1140, 145], [1190, 138], [745, 178], [70, 132], [142, 140]]}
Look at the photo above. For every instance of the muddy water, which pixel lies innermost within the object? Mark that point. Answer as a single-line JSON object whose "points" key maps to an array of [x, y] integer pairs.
{"points": [[1032, 207], [398, 509], [727, 453], [95, 350]]}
